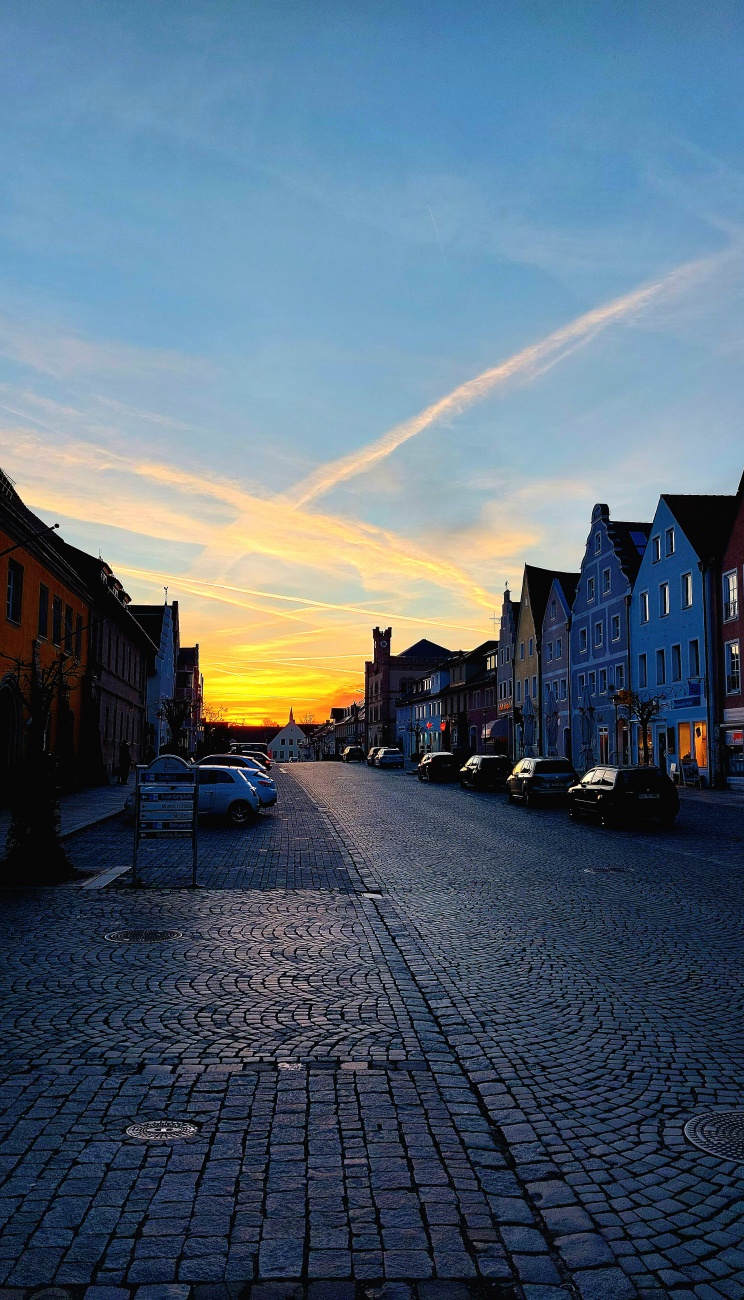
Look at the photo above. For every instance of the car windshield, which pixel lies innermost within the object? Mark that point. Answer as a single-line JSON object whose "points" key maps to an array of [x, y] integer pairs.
{"points": [[494, 762], [650, 780], [553, 765]]}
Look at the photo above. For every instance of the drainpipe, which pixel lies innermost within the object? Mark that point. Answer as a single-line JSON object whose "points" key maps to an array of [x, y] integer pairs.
{"points": [[628, 598], [711, 671]]}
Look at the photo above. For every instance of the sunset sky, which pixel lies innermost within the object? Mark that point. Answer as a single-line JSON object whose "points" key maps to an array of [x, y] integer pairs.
{"points": [[333, 314]]}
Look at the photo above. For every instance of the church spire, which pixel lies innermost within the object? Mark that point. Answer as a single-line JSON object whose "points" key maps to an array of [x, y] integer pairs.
{"points": [[291, 714]]}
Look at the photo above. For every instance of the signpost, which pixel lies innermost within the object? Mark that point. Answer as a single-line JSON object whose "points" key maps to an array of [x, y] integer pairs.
{"points": [[166, 806]]}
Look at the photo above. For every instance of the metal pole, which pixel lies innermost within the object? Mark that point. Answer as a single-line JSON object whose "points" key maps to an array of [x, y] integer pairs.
{"points": [[195, 830], [135, 851]]}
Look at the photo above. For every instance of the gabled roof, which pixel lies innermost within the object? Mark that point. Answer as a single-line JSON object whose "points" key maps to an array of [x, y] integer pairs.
{"points": [[706, 521], [425, 650], [150, 617], [568, 582], [629, 542], [538, 583]]}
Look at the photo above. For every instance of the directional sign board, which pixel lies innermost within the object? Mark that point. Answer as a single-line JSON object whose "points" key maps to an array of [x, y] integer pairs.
{"points": [[166, 804]]}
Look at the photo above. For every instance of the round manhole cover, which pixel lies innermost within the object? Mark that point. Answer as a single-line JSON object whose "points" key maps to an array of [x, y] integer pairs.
{"points": [[719, 1133], [161, 1130], [142, 936]]}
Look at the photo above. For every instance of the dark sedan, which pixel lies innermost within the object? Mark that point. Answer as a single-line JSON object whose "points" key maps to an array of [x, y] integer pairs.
{"points": [[614, 794], [438, 767], [540, 779], [485, 772]]}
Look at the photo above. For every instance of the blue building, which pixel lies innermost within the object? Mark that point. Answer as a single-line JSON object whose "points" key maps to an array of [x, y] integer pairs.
{"points": [[556, 684], [503, 730], [600, 639], [673, 627]]}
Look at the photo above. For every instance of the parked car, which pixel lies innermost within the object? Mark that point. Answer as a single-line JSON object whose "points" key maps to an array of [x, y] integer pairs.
{"points": [[389, 758], [438, 767], [256, 751], [223, 792], [372, 753], [540, 779], [353, 754], [485, 772], [255, 772], [625, 794]]}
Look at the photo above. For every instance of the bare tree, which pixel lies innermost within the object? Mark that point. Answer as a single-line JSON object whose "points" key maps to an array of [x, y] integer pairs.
{"points": [[641, 708], [177, 715], [34, 853], [307, 719], [269, 722]]}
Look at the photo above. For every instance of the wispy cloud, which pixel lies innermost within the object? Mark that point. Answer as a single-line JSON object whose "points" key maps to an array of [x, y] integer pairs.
{"points": [[63, 353], [527, 363]]}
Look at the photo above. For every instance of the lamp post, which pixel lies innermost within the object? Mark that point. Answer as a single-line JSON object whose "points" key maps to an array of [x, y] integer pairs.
{"points": [[615, 700]]}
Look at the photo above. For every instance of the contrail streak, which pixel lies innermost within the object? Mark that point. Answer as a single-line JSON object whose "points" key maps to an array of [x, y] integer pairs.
{"points": [[186, 580], [529, 362]]}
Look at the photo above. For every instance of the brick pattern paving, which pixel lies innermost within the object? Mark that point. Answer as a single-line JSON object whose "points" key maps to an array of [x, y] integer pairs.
{"points": [[471, 1085]]}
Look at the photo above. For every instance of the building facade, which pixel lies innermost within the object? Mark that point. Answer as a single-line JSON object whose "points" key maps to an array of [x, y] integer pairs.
{"points": [[730, 645], [556, 677], [387, 678], [190, 690], [160, 622], [599, 638], [45, 623], [528, 656], [288, 742], [503, 732], [674, 628]]}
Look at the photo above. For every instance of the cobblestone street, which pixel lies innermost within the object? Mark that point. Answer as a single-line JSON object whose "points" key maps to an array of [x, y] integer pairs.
{"points": [[423, 1037]]}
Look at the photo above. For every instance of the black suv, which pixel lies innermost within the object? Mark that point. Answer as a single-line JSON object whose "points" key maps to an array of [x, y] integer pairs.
{"points": [[625, 793], [536, 779], [353, 754], [438, 767], [485, 772]]}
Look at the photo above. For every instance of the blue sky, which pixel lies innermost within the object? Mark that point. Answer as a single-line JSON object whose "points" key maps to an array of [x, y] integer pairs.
{"points": [[242, 241]]}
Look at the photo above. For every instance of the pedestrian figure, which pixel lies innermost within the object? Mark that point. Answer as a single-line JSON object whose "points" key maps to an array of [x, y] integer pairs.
{"points": [[150, 754], [125, 763]]}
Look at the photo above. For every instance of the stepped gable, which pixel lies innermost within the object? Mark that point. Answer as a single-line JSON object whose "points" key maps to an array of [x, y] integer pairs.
{"points": [[706, 521]]}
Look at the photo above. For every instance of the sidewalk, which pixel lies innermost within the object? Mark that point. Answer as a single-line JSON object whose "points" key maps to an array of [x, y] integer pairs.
{"points": [[718, 798], [82, 809]]}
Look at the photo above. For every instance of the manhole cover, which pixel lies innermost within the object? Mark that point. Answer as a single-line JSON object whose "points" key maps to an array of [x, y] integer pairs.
{"points": [[161, 1130], [142, 936], [720, 1133]]}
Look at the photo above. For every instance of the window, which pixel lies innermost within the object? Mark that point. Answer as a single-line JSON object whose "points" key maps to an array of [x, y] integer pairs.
{"points": [[663, 599], [603, 681], [68, 628], [693, 658], [43, 629], [590, 588], [615, 627], [519, 692], [656, 549], [14, 603], [730, 596], [521, 650], [733, 668], [619, 677], [79, 635], [644, 606], [686, 590], [531, 649], [508, 654], [57, 620], [660, 667], [592, 683], [559, 648], [553, 610], [549, 651], [534, 688], [582, 641], [582, 682], [564, 688], [597, 543], [676, 663], [642, 671], [598, 635], [606, 582], [669, 541]]}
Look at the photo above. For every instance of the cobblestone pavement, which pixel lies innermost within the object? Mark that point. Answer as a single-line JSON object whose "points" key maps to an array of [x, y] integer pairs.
{"points": [[475, 1082]]}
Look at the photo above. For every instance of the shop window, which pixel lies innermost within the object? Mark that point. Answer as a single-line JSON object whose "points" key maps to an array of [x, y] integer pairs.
{"points": [[701, 744]]}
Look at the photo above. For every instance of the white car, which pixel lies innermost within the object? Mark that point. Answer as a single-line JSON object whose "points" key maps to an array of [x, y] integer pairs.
{"points": [[223, 792], [256, 773]]}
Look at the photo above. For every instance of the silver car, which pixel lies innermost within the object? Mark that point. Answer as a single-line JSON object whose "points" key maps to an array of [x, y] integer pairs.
{"points": [[223, 792]]}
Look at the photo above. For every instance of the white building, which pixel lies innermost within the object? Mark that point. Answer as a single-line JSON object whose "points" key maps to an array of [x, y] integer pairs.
{"points": [[286, 743]]}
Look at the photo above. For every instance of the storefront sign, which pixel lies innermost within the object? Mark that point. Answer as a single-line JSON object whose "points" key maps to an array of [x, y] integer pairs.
{"points": [[734, 739]]}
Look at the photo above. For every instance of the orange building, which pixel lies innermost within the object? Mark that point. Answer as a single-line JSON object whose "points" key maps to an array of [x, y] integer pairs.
{"points": [[46, 615]]}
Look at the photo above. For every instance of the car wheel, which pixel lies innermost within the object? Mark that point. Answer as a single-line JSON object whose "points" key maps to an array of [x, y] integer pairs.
{"points": [[420, 776], [240, 813], [527, 799]]}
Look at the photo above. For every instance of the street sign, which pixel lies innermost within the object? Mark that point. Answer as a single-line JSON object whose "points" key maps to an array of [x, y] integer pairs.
{"points": [[166, 805]]}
